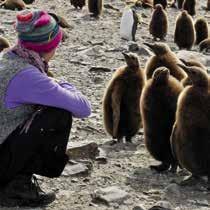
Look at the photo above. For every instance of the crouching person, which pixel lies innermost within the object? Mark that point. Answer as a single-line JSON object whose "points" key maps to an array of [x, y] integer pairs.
{"points": [[35, 112]]}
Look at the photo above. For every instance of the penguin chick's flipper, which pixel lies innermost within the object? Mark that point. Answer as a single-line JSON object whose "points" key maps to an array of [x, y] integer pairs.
{"points": [[116, 99], [160, 168]]}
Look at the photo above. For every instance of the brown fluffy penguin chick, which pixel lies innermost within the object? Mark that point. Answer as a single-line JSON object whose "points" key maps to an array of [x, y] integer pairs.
{"points": [[95, 7], [121, 111], [190, 139], [162, 2], [186, 81], [4, 43], [189, 5], [159, 23], [62, 22], [158, 107], [184, 35], [78, 3], [13, 4], [163, 57], [202, 30], [205, 45]]}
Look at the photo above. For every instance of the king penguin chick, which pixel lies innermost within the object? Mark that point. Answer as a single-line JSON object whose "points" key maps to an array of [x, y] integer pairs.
{"points": [[205, 45], [121, 109], [4, 43], [13, 4], [202, 30], [190, 139], [184, 35], [128, 24], [62, 22], [186, 81], [159, 23], [162, 2], [95, 7], [78, 3], [163, 57], [189, 5], [158, 107]]}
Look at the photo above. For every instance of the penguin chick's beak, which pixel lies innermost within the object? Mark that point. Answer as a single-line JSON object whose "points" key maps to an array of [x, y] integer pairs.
{"points": [[151, 46], [185, 68], [125, 55]]}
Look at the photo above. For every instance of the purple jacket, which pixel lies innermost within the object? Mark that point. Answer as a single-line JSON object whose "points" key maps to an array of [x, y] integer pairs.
{"points": [[30, 86]]}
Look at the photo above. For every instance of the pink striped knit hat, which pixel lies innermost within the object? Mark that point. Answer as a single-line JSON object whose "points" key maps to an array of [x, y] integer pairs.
{"points": [[37, 31]]}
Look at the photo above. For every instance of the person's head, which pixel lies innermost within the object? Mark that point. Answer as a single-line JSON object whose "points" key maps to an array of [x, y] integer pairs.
{"points": [[38, 31]]}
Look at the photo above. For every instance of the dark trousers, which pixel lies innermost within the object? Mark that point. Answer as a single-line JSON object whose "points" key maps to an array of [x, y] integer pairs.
{"points": [[39, 151]]}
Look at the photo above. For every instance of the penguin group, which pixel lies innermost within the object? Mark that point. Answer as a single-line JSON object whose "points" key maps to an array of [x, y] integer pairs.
{"points": [[169, 98]]}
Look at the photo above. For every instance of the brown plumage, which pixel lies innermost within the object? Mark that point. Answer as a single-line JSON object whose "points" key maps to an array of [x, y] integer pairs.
{"points": [[186, 81], [162, 2], [78, 3], [159, 23], [201, 29], [62, 22], [190, 139], [121, 100], [205, 45], [163, 57], [95, 7], [189, 5], [158, 107], [4, 43], [208, 4], [13, 4], [184, 35]]}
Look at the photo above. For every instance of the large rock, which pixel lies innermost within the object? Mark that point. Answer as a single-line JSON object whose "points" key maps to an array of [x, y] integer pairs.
{"points": [[109, 195], [78, 169], [83, 151], [162, 205], [188, 55]]}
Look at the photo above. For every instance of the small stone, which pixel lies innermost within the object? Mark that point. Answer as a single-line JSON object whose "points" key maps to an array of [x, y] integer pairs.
{"points": [[144, 51], [99, 69], [140, 207], [133, 46], [78, 169], [83, 151], [172, 190], [102, 157], [110, 195], [162, 205]]}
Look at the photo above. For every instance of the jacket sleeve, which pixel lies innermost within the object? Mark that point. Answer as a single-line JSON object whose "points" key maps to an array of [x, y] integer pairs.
{"points": [[30, 86]]}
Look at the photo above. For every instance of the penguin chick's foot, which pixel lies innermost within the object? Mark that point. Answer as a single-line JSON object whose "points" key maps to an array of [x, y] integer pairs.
{"points": [[173, 168], [160, 168], [190, 181]]}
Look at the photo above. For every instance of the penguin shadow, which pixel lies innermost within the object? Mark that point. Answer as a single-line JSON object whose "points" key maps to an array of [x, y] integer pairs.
{"points": [[165, 186], [120, 150]]}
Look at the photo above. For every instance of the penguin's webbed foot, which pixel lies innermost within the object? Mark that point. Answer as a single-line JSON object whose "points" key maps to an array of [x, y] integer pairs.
{"points": [[160, 168], [189, 181], [173, 168], [128, 139]]}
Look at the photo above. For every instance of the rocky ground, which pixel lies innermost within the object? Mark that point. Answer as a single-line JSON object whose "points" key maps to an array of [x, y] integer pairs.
{"points": [[96, 43]]}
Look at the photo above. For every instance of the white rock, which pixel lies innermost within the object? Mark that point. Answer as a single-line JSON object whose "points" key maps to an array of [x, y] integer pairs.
{"points": [[110, 195], [188, 55]]}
